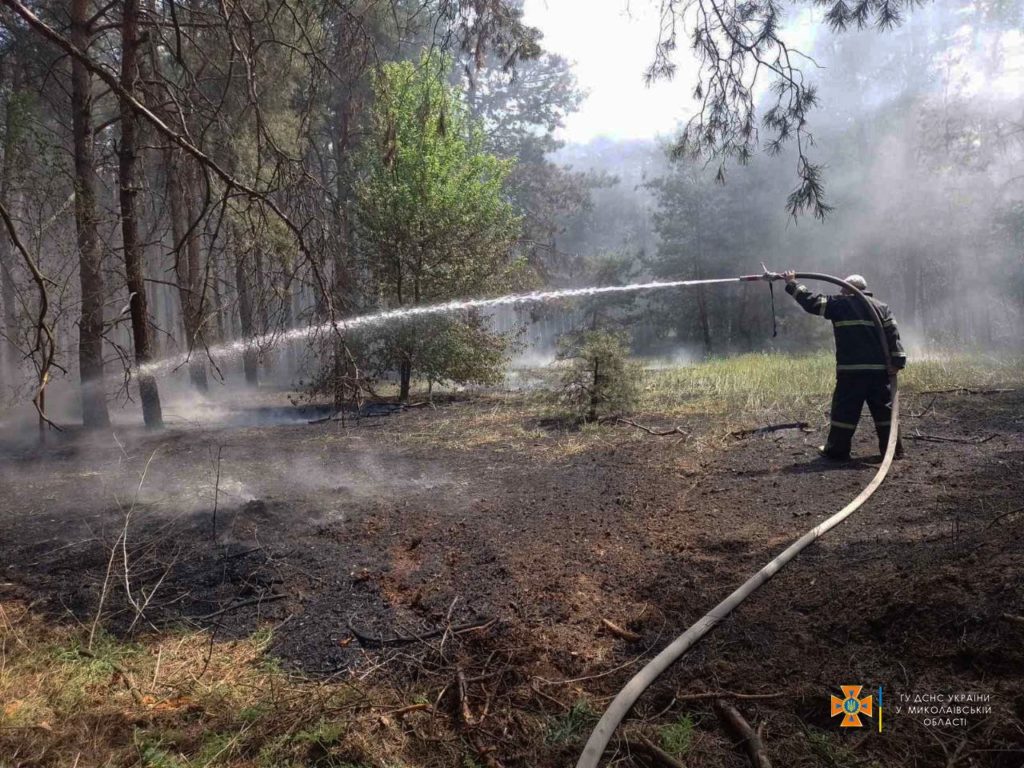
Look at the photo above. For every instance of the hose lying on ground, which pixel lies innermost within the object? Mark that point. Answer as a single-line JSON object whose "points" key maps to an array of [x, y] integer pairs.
{"points": [[627, 697]]}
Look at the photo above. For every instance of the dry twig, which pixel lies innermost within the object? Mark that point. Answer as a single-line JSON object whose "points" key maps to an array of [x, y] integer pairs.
{"points": [[740, 433], [653, 752], [943, 439], [242, 604], [618, 631], [965, 391], [740, 728], [648, 430], [727, 695], [369, 641]]}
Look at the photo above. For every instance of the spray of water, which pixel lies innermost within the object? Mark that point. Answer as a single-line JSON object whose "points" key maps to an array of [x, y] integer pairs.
{"points": [[235, 348]]}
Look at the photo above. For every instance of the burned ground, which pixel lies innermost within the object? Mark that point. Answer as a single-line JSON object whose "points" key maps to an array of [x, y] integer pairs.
{"points": [[394, 526]]}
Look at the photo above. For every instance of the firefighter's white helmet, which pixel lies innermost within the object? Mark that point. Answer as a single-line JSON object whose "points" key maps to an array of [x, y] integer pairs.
{"points": [[858, 282]]}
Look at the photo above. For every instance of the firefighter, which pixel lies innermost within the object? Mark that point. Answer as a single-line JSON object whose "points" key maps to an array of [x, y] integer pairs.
{"points": [[861, 371]]}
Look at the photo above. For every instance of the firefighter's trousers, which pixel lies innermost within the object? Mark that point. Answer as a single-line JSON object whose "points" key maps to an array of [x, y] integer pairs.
{"points": [[852, 391]]}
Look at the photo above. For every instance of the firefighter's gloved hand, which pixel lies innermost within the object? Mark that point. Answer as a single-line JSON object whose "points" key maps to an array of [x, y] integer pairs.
{"points": [[899, 362], [789, 276]]}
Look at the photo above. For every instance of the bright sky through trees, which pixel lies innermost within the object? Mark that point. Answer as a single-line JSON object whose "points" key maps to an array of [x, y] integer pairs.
{"points": [[611, 43]]}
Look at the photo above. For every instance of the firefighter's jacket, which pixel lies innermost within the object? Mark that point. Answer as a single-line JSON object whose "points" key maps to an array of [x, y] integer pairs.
{"points": [[857, 343]]}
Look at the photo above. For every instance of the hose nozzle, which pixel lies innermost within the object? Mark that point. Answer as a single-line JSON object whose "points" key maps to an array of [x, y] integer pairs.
{"points": [[766, 275]]}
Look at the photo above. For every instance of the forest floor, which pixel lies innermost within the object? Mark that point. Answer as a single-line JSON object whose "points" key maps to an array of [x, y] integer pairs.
{"points": [[432, 587]]}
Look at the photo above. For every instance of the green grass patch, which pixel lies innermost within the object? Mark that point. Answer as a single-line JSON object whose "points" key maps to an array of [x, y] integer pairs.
{"points": [[677, 738], [765, 382], [572, 724]]}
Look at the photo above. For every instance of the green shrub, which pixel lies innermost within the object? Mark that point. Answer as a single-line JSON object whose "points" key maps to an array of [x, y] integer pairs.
{"points": [[599, 377]]}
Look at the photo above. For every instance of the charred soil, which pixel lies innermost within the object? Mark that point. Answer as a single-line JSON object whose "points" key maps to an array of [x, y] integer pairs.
{"points": [[516, 584]]}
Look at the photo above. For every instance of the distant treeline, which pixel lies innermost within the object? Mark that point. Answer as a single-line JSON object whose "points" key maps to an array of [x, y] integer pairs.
{"points": [[178, 176]]}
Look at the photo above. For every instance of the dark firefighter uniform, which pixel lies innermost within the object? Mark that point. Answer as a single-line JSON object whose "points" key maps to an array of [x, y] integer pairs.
{"points": [[861, 374]]}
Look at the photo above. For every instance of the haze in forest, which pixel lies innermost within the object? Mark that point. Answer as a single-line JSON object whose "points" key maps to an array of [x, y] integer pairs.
{"points": [[320, 169]]}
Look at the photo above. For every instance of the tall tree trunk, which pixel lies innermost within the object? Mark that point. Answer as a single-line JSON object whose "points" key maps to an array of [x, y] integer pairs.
{"points": [[702, 299], [191, 281], [8, 292], [595, 390], [8, 350], [259, 303], [216, 291], [405, 380], [249, 359], [148, 392], [341, 285], [702, 313]]}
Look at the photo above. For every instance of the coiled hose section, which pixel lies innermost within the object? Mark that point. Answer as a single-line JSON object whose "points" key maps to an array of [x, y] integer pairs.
{"points": [[628, 696]]}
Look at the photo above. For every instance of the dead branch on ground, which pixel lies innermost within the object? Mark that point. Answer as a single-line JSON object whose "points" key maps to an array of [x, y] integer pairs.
{"points": [[966, 391], [653, 753], [944, 439], [737, 725], [242, 604], [126, 677], [922, 413], [403, 711], [648, 430], [618, 631], [369, 641], [740, 433], [1004, 515], [727, 695], [462, 697]]}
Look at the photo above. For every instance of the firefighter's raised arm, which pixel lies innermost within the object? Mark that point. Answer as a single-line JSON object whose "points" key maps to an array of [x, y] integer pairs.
{"points": [[892, 334], [814, 303]]}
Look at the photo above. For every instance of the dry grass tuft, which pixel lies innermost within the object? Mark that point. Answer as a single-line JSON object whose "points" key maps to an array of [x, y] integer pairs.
{"points": [[173, 701]]}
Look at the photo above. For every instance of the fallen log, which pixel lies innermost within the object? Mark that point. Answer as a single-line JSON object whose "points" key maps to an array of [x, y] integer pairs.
{"points": [[740, 728], [740, 433]]}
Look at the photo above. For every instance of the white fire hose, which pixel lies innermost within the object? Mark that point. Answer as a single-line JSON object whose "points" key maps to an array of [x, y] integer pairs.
{"points": [[628, 696]]}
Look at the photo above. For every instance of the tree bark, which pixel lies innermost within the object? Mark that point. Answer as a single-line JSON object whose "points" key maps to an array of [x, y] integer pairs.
{"points": [[190, 280], [127, 155], [702, 314], [90, 254], [8, 350], [191, 286], [595, 390], [8, 292], [249, 360], [405, 380]]}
